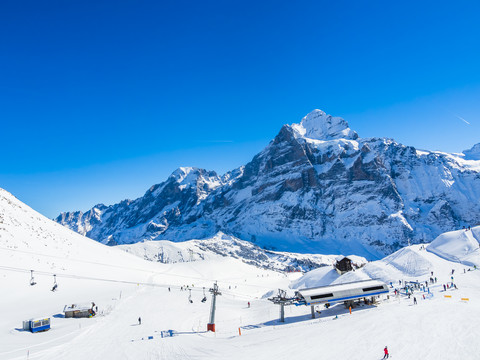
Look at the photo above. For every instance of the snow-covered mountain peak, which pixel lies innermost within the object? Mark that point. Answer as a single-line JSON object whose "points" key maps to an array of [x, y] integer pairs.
{"points": [[185, 174], [473, 153], [318, 125], [191, 176]]}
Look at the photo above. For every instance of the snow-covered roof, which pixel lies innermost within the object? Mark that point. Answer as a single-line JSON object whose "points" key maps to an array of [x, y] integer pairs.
{"points": [[75, 307], [341, 287]]}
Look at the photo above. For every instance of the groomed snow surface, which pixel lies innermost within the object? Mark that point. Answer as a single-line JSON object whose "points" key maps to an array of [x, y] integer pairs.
{"points": [[125, 287]]}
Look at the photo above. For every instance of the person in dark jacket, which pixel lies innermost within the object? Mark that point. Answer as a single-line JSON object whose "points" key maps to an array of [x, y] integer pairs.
{"points": [[139, 321]]}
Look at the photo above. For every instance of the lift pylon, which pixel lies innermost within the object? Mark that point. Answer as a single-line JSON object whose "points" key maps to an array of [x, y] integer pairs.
{"points": [[282, 300], [215, 292]]}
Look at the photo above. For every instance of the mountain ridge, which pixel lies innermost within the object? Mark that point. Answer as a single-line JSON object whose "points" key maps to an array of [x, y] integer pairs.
{"points": [[316, 187]]}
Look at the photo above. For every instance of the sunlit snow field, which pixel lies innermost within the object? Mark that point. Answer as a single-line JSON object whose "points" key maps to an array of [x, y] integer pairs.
{"points": [[125, 287]]}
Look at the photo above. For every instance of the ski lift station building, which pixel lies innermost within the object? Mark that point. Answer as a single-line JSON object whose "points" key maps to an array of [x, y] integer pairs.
{"points": [[341, 292]]}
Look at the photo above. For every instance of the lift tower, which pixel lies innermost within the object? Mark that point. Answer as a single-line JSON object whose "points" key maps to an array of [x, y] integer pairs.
{"points": [[282, 300], [215, 292]]}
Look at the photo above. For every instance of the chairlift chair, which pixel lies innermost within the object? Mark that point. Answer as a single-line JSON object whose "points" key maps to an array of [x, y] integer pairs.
{"points": [[55, 285], [32, 279]]}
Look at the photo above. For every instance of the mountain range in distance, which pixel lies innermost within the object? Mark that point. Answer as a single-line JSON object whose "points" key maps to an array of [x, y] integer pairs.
{"points": [[317, 187]]}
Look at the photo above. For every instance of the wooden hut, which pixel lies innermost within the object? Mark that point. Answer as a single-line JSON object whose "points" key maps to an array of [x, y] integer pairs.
{"points": [[343, 264], [78, 311]]}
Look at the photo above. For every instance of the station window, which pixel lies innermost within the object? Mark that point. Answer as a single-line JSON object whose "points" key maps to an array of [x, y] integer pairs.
{"points": [[321, 296]]}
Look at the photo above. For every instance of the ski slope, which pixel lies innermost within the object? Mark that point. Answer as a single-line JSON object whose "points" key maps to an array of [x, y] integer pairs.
{"points": [[126, 287]]}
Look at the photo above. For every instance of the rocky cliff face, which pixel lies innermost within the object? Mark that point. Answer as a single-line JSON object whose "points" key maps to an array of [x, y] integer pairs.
{"points": [[317, 187]]}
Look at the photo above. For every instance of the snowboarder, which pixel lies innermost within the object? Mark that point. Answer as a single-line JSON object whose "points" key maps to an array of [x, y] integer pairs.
{"points": [[139, 321], [386, 353]]}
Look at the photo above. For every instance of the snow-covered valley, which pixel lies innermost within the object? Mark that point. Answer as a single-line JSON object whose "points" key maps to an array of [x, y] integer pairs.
{"points": [[125, 287]]}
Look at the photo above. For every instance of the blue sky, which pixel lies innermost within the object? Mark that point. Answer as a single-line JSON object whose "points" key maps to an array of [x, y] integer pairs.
{"points": [[99, 100]]}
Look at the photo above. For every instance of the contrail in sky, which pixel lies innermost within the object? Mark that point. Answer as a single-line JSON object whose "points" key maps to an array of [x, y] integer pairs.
{"points": [[465, 121]]}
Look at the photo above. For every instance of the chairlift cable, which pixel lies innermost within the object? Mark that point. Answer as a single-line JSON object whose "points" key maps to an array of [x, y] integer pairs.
{"points": [[129, 268]]}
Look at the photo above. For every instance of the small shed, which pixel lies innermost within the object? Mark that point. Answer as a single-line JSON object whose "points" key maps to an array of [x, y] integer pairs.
{"points": [[343, 264], [79, 311], [36, 325]]}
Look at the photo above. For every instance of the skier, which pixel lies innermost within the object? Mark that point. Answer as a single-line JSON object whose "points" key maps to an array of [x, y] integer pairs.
{"points": [[414, 300], [139, 321], [249, 304], [444, 287], [386, 353]]}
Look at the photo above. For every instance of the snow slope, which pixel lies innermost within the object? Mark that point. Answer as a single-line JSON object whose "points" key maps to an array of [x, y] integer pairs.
{"points": [[126, 287], [460, 246], [222, 245]]}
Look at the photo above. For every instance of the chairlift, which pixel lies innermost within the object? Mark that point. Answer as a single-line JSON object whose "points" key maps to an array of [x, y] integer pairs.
{"points": [[55, 285], [32, 279], [204, 296]]}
